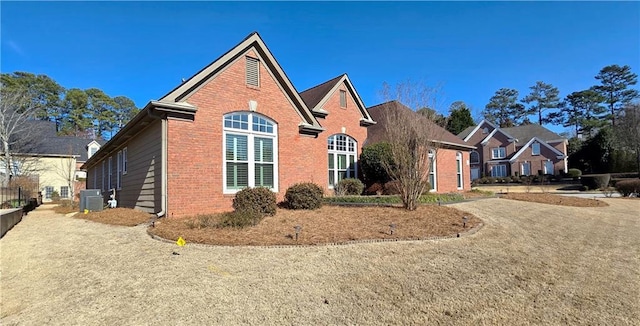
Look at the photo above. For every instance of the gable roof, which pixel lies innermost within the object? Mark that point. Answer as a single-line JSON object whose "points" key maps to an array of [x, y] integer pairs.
{"points": [[559, 154], [474, 129], [494, 132], [252, 42], [526, 132], [376, 133], [317, 96], [463, 134]]}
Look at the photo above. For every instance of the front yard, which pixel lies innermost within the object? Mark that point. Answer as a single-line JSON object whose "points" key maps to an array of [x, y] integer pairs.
{"points": [[529, 264]]}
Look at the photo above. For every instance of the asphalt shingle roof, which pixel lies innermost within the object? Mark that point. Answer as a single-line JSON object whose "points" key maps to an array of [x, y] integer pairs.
{"points": [[48, 143], [526, 132], [315, 94]]}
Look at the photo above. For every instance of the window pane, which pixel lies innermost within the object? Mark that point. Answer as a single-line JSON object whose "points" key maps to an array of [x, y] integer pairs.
{"points": [[263, 149], [332, 179], [431, 181], [236, 148], [237, 175], [264, 175], [331, 162], [342, 161]]}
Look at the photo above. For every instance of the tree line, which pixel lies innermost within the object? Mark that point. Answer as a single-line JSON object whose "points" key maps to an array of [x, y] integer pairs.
{"points": [[89, 113], [603, 119]]}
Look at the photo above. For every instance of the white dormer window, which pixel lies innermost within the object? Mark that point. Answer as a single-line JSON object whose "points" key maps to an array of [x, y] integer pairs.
{"points": [[535, 149], [92, 148]]}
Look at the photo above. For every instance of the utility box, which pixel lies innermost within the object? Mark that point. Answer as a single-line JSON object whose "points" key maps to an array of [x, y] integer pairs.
{"points": [[91, 199]]}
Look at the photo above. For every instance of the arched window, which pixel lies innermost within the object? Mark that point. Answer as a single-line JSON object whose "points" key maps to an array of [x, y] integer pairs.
{"points": [[459, 170], [250, 143], [474, 157], [343, 158], [433, 180]]}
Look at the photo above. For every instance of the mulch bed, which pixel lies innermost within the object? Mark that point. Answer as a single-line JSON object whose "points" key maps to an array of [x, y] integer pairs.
{"points": [[552, 199], [329, 224]]}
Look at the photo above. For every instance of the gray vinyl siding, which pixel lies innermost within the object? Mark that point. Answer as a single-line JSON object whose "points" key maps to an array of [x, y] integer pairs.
{"points": [[142, 185]]}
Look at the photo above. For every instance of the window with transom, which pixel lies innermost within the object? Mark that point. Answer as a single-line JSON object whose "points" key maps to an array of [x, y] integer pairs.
{"points": [[342, 157], [250, 152]]}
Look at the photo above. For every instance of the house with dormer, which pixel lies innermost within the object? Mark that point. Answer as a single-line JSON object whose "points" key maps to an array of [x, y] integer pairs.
{"points": [[515, 151], [53, 162], [238, 122]]}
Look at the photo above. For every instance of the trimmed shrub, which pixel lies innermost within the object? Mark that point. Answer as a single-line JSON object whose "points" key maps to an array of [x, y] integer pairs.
{"points": [[304, 195], [574, 173], [371, 162], [375, 189], [349, 187], [392, 188], [260, 200], [596, 181], [55, 196], [628, 187], [239, 219]]}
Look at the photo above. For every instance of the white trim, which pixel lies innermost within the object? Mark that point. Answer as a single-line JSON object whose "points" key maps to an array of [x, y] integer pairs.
{"points": [[250, 150], [119, 170], [335, 152], [434, 171], [345, 79], [557, 152], [498, 148], [533, 147], [125, 161], [510, 138], [478, 127], [497, 165]]}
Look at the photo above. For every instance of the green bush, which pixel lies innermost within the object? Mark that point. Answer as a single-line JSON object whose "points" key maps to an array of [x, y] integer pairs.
{"points": [[55, 196], [349, 187], [260, 200], [304, 195], [239, 219], [371, 162], [574, 173], [628, 187], [595, 181]]}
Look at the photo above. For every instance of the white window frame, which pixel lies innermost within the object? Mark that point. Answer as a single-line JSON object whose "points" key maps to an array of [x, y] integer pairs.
{"points": [[125, 161], [48, 190], [433, 172], [485, 130], [119, 170], [251, 135], [503, 169], [471, 161], [522, 169], [459, 171], [91, 148], [535, 148], [62, 195], [546, 170], [350, 151], [501, 152], [110, 173]]}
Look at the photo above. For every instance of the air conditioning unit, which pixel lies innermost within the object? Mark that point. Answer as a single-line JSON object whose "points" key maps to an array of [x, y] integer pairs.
{"points": [[91, 199]]}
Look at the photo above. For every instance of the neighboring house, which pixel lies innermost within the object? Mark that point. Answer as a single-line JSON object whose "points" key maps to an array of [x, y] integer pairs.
{"points": [[239, 122], [54, 161], [450, 169], [524, 150]]}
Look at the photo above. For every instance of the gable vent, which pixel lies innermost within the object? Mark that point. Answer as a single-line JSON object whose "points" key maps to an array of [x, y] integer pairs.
{"points": [[253, 72]]}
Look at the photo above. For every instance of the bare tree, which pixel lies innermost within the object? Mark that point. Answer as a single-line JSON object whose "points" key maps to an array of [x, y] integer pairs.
{"points": [[413, 137], [16, 134]]}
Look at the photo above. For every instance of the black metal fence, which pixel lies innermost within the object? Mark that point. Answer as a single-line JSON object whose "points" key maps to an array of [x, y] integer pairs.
{"points": [[13, 197]]}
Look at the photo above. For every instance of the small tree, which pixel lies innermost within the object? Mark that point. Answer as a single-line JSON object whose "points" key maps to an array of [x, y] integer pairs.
{"points": [[412, 138]]}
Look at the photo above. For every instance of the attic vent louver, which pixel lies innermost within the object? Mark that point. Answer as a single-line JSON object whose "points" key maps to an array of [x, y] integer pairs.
{"points": [[253, 72]]}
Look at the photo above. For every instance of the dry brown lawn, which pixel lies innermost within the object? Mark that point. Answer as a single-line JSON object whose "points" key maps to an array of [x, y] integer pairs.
{"points": [[529, 264], [546, 198], [329, 224], [117, 216]]}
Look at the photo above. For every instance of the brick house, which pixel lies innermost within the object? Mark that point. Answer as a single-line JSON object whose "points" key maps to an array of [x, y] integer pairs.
{"points": [[238, 122], [450, 170], [523, 150]]}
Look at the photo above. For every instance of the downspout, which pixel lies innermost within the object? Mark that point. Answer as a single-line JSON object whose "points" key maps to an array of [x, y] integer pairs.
{"points": [[163, 178], [163, 166]]}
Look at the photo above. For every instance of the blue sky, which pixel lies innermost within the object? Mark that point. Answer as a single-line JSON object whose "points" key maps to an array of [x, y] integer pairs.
{"points": [[143, 49]]}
